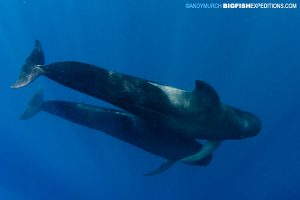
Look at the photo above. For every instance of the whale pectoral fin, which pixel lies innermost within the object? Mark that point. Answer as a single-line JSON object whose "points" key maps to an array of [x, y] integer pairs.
{"points": [[32, 67], [163, 167], [206, 150]]}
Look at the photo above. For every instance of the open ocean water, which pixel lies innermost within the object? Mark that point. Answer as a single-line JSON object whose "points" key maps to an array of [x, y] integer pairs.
{"points": [[250, 56]]}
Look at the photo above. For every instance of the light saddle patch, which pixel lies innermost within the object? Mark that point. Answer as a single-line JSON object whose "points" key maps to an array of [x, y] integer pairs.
{"points": [[176, 96]]}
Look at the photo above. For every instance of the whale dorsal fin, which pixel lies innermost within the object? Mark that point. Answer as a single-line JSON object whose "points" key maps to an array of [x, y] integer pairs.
{"points": [[206, 94]]}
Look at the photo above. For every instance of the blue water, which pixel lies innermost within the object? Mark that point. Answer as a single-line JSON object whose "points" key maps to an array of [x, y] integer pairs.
{"points": [[251, 57]]}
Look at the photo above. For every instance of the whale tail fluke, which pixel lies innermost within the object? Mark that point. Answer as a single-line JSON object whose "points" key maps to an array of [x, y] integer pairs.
{"points": [[32, 67], [34, 105]]}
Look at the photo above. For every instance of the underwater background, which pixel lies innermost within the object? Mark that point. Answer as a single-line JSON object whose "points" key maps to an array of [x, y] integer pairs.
{"points": [[251, 57]]}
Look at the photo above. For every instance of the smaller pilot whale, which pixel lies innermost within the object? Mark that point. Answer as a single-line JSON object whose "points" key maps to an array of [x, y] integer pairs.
{"points": [[197, 114], [126, 127]]}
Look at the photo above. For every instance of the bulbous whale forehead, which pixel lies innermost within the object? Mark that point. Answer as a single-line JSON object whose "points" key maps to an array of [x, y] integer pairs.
{"points": [[250, 124], [244, 123]]}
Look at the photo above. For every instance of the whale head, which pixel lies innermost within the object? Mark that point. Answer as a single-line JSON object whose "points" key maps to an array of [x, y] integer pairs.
{"points": [[249, 124], [240, 124]]}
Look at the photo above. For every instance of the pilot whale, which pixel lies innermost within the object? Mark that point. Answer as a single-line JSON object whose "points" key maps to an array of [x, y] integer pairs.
{"points": [[124, 126], [197, 114]]}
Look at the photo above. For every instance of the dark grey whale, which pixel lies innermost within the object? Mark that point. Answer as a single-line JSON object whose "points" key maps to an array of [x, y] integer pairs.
{"points": [[196, 114], [124, 126]]}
